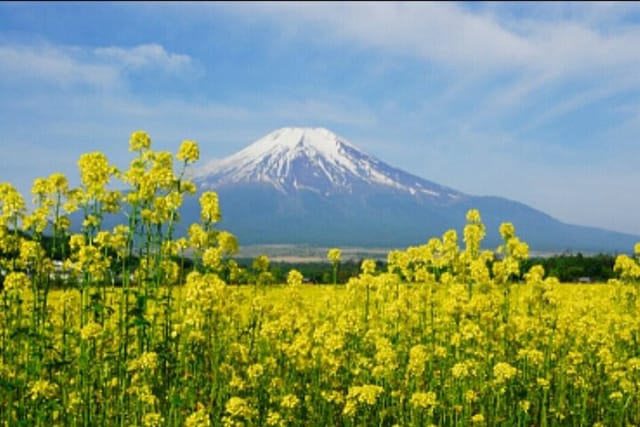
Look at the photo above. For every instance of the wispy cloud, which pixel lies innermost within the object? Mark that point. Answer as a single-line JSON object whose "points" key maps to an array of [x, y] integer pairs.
{"points": [[451, 34], [103, 67], [539, 51], [147, 55], [53, 64]]}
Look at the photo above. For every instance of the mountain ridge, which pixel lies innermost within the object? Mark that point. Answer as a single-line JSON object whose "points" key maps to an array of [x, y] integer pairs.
{"points": [[310, 186]]}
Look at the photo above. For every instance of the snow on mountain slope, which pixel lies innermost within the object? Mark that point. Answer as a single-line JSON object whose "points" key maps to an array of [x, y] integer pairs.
{"points": [[313, 159], [309, 186]]}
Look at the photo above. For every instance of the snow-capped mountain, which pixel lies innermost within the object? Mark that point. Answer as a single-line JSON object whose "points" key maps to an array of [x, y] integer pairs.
{"points": [[309, 186], [313, 159]]}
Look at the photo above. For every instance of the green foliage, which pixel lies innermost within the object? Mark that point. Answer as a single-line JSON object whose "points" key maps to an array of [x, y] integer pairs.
{"points": [[572, 267]]}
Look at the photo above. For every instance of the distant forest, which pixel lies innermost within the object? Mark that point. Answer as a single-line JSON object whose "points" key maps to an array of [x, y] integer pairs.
{"points": [[568, 268]]}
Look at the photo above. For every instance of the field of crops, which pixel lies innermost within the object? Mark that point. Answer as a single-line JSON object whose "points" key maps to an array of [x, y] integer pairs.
{"points": [[122, 333]]}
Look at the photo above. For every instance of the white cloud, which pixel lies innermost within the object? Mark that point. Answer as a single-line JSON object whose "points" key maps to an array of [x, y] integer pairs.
{"points": [[98, 68], [146, 55], [542, 50], [57, 65], [436, 31]]}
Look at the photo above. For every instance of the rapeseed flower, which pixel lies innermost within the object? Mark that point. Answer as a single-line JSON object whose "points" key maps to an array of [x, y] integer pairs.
{"points": [[90, 331], [210, 210], [146, 361], [334, 255], [238, 407], [212, 258], [200, 418], [94, 172], [139, 141], [423, 400], [12, 205], [198, 237], [274, 419], [477, 419], [503, 372], [294, 278], [255, 371], [188, 152], [368, 266], [152, 419], [16, 283], [289, 401], [507, 231], [418, 356], [43, 389], [361, 395]]}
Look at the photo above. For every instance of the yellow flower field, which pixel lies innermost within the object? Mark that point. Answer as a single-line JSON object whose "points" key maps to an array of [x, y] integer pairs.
{"points": [[119, 332]]}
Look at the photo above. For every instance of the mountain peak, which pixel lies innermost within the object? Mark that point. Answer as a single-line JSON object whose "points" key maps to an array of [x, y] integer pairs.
{"points": [[294, 159], [312, 141], [301, 136]]}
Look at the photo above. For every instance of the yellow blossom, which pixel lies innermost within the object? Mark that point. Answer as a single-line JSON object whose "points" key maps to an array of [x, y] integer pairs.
{"points": [[200, 418], [212, 258], [367, 394], [146, 361], [477, 419], [198, 238], [616, 396], [238, 407], [463, 370], [152, 419], [507, 230], [188, 187], [503, 372], [227, 242], [188, 152], [470, 396], [368, 266], [473, 216], [274, 419], [43, 389], [58, 182], [423, 400], [40, 188], [139, 141], [16, 282], [90, 331], [334, 255], [294, 278], [255, 371], [418, 356], [290, 401], [210, 211], [12, 204], [94, 172]]}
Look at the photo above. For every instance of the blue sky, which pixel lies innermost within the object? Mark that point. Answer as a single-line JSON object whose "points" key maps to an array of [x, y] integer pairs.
{"points": [[536, 102]]}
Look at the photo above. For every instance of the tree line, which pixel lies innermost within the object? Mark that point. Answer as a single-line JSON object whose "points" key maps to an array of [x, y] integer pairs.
{"points": [[567, 267]]}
